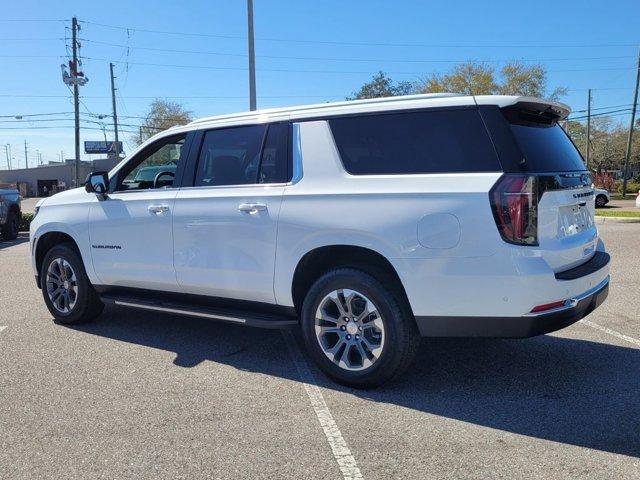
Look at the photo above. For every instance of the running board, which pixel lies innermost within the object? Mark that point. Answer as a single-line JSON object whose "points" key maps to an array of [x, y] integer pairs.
{"points": [[239, 317]]}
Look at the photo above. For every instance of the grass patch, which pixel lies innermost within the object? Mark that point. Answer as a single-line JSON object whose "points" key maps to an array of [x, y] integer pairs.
{"points": [[630, 196], [614, 213]]}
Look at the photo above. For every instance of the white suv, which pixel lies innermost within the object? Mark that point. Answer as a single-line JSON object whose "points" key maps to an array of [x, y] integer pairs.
{"points": [[369, 223]]}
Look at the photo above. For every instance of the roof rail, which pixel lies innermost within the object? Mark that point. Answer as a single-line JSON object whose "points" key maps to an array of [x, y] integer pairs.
{"points": [[321, 106]]}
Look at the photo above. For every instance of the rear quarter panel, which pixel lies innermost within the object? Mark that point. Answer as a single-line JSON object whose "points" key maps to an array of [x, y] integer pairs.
{"points": [[403, 217]]}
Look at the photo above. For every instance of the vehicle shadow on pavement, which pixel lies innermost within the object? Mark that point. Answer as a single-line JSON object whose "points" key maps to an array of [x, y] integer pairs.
{"points": [[565, 390], [22, 238]]}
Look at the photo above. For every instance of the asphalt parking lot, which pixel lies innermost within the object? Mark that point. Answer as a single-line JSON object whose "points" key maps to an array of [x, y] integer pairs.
{"points": [[143, 395]]}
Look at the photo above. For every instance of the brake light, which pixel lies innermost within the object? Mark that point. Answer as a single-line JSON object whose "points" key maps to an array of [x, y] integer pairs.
{"points": [[514, 201]]}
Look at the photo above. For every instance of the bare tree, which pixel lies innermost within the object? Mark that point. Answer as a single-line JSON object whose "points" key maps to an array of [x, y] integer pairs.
{"points": [[163, 114]]}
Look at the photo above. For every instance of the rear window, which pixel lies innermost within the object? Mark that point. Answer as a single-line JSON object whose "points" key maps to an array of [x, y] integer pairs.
{"points": [[438, 141], [547, 148]]}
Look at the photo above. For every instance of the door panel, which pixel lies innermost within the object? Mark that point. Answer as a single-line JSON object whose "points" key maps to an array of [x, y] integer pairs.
{"points": [[131, 230], [131, 239], [225, 240]]}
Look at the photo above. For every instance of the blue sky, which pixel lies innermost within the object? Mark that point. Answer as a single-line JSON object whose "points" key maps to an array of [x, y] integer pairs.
{"points": [[330, 49]]}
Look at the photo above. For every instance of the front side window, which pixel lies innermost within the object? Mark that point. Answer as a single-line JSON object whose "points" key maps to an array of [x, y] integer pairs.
{"points": [[155, 167], [438, 141]]}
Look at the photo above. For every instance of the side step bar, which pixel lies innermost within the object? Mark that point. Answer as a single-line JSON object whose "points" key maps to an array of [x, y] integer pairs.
{"points": [[240, 317]]}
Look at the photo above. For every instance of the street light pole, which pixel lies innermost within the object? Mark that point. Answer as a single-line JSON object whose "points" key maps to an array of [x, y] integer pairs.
{"points": [[252, 57], [625, 170]]}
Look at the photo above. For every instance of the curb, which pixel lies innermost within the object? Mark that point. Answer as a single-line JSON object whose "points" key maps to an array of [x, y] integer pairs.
{"points": [[600, 220]]}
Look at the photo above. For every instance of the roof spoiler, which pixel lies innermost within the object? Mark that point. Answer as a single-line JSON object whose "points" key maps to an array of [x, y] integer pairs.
{"points": [[537, 110]]}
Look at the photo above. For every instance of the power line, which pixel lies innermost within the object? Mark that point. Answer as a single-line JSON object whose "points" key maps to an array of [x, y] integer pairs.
{"points": [[333, 42], [603, 108], [35, 114], [182, 97], [603, 114], [32, 20], [30, 39], [339, 72], [344, 59], [63, 127]]}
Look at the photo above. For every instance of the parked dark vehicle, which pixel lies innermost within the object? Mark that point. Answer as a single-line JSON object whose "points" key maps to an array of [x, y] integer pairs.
{"points": [[9, 213]]}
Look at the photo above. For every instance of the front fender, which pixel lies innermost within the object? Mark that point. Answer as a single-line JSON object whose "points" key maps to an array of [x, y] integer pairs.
{"points": [[76, 229]]}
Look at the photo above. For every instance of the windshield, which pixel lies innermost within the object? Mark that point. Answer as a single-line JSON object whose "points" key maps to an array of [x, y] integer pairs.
{"points": [[148, 174]]}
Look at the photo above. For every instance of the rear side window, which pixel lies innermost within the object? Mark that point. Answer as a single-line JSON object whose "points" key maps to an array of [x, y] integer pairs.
{"points": [[547, 148], [274, 161], [243, 156], [439, 141]]}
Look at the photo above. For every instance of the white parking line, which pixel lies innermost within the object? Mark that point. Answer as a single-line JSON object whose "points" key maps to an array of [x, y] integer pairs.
{"points": [[621, 336], [341, 452]]}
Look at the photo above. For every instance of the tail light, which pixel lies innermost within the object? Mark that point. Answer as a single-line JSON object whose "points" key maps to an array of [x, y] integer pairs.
{"points": [[514, 201]]}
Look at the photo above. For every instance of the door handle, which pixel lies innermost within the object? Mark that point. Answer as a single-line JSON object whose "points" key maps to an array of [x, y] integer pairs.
{"points": [[158, 209], [252, 208]]}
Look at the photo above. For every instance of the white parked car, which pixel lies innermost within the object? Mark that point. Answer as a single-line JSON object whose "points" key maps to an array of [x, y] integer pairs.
{"points": [[369, 223], [602, 197], [638, 200]]}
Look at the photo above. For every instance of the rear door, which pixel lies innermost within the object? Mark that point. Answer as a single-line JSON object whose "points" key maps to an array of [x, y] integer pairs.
{"points": [[225, 223], [537, 145]]}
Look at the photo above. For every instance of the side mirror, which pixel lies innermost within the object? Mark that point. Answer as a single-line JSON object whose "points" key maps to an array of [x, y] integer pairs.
{"points": [[98, 183]]}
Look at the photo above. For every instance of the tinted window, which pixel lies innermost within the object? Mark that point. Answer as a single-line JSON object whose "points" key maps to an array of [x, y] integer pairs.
{"points": [[415, 142], [155, 167], [546, 148], [274, 162], [230, 156]]}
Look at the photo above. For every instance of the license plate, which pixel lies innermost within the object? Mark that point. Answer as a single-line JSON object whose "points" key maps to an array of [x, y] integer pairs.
{"points": [[574, 219]]}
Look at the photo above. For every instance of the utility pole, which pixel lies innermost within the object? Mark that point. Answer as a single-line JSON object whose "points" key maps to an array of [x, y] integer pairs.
{"points": [[7, 150], [588, 126], [26, 159], [625, 170], [76, 96], [252, 57], [115, 115]]}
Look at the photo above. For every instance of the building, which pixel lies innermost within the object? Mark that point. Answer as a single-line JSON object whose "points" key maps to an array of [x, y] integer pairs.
{"points": [[44, 180]]}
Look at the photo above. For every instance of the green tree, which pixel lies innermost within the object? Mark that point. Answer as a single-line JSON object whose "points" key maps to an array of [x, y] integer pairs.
{"points": [[382, 86], [469, 78], [473, 78], [162, 114], [608, 143]]}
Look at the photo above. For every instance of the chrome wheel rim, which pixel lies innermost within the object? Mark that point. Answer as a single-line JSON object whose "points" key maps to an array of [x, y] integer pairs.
{"points": [[62, 285], [349, 329]]}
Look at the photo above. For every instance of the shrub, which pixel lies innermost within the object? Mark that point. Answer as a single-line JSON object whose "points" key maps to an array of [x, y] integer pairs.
{"points": [[25, 222], [632, 187], [604, 180]]}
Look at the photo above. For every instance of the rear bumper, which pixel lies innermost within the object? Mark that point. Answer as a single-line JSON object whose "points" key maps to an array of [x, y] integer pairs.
{"points": [[516, 327]]}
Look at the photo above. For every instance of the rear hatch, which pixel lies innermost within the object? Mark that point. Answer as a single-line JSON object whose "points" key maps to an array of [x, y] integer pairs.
{"points": [[545, 199]]}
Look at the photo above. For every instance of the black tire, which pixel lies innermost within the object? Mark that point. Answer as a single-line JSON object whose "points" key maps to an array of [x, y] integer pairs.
{"points": [[601, 201], [11, 229], [87, 303], [402, 338]]}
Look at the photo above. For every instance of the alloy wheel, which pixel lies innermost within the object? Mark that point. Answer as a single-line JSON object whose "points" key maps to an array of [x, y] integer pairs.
{"points": [[62, 285], [349, 329]]}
